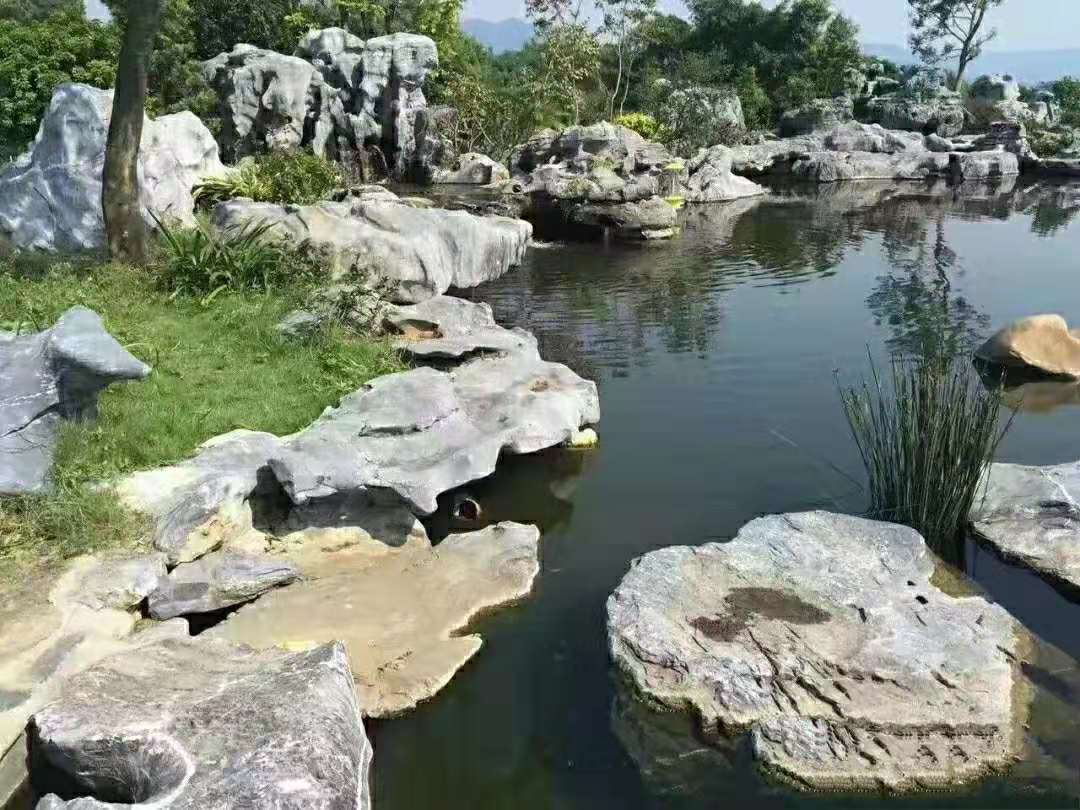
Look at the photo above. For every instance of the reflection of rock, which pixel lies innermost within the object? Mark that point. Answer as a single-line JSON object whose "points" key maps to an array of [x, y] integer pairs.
{"points": [[399, 613], [1031, 515], [48, 377], [191, 724], [1041, 343], [823, 635], [673, 760], [423, 252]]}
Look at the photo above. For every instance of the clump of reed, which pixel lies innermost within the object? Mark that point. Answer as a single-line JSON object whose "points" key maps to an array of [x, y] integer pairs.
{"points": [[926, 436]]}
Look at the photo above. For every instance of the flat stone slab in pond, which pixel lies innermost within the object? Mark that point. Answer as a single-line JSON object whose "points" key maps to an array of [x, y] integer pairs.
{"points": [[1031, 515], [195, 724], [823, 636], [399, 612], [49, 376]]}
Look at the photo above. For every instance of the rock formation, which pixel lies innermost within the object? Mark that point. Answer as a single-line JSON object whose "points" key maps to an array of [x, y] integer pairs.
{"points": [[50, 197], [48, 377], [400, 611], [340, 95], [997, 98], [1031, 515], [1042, 344], [823, 636], [423, 252], [821, 114], [194, 724]]}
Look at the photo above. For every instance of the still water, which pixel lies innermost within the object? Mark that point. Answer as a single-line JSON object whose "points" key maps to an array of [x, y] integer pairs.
{"points": [[717, 357]]}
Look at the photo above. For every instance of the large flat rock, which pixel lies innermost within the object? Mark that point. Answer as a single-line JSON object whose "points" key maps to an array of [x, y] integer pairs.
{"points": [[449, 328], [422, 251], [400, 612], [47, 377], [194, 724], [1031, 515], [823, 636]]}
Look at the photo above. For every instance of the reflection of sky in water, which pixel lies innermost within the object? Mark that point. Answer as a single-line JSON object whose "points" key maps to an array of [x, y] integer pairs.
{"points": [[717, 357]]}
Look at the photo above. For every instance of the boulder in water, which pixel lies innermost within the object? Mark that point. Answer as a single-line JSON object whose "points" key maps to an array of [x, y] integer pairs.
{"points": [[1042, 344], [823, 636]]}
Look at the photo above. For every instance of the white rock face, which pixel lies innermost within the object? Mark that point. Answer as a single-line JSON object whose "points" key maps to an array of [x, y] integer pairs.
{"points": [[50, 198], [711, 179], [1031, 515], [472, 169], [823, 636], [424, 251]]}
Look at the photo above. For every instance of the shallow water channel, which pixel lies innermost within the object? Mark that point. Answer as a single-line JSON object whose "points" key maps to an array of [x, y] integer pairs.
{"points": [[717, 357]]}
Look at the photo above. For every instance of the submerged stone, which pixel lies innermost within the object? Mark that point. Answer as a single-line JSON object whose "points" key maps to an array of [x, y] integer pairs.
{"points": [[1031, 515], [823, 636]]}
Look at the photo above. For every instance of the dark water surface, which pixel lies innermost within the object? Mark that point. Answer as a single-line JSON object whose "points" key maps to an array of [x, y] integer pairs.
{"points": [[716, 357]]}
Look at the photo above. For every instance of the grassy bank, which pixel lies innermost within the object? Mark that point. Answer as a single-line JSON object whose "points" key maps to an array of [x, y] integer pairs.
{"points": [[218, 366]]}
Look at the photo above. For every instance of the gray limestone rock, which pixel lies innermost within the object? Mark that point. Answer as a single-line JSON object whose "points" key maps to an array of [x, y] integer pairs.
{"points": [[196, 724], [50, 197], [712, 180], [339, 95], [221, 579], [300, 325], [822, 114], [448, 328], [425, 432], [824, 637], [117, 583], [1031, 515], [653, 218], [943, 116], [423, 252], [49, 376], [472, 169]]}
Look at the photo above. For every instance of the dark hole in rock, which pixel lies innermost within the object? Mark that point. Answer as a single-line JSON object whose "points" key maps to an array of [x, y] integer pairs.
{"points": [[466, 509], [199, 623], [922, 600], [743, 604], [120, 770], [270, 504]]}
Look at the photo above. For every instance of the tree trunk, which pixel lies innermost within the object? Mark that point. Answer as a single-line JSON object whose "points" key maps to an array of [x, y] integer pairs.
{"points": [[125, 226]]}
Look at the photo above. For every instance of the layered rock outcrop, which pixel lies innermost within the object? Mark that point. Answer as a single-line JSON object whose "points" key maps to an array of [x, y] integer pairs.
{"points": [[422, 252], [50, 197], [823, 636], [49, 377], [922, 104], [343, 97]]}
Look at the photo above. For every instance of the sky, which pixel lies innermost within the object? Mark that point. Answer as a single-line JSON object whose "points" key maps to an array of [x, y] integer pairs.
{"points": [[1022, 24]]}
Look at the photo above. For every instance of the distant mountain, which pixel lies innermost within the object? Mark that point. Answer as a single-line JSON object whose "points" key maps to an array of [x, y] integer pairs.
{"points": [[1030, 67], [508, 35]]}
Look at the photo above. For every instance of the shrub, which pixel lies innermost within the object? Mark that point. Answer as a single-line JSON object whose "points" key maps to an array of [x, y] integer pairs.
{"points": [[286, 178], [926, 442], [644, 125], [203, 261], [37, 56]]}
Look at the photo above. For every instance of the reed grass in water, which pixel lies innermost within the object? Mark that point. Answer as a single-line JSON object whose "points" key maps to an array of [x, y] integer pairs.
{"points": [[926, 438]]}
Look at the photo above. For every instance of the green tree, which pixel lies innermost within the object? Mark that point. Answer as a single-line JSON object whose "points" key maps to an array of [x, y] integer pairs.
{"points": [[944, 30], [36, 56], [36, 10], [218, 25]]}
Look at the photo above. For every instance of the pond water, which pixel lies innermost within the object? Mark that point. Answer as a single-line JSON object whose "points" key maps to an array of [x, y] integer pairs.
{"points": [[717, 357]]}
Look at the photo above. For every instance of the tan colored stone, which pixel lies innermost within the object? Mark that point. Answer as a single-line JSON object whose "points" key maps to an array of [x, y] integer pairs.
{"points": [[398, 610], [1042, 343]]}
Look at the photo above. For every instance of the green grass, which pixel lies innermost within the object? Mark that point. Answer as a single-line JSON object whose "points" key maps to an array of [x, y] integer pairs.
{"points": [[218, 366], [926, 438]]}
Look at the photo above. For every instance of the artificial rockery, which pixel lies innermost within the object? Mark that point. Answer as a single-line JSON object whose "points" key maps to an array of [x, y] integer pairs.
{"points": [[276, 532]]}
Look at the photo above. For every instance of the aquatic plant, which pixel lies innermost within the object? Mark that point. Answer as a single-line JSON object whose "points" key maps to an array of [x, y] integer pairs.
{"points": [[926, 438]]}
